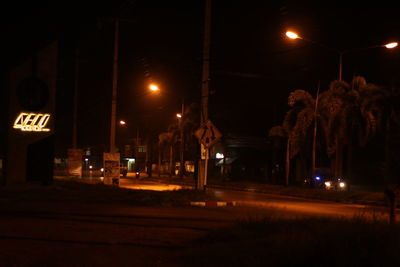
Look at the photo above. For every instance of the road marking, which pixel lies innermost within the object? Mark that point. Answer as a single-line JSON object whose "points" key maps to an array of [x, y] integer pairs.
{"points": [[212, 203]]}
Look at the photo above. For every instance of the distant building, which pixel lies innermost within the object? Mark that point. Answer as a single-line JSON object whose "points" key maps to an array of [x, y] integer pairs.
{"points": [[242, 158]]}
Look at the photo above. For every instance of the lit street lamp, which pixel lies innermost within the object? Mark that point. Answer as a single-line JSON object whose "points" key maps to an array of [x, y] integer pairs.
{"points": [[179, 116], [182, 146], [154, 87], [293, 35]]}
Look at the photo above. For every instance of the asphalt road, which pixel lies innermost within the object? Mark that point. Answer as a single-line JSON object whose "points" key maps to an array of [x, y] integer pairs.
{"points": [[289, 205], [96, 234], [301, 206], [79, 234]]}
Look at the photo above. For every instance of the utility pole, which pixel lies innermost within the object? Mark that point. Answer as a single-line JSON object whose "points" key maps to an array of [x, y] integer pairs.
{"points": [[75, 112], [114, 87], [182, 144], [203, 166], [206, 62], [287, 166], [315, 133]]}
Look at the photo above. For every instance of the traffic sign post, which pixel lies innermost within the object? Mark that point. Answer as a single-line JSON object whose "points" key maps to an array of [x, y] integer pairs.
{"points": [[208, 135]]}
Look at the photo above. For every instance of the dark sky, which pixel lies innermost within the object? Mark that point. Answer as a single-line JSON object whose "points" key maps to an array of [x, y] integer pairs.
{"points": [[252, 66]]}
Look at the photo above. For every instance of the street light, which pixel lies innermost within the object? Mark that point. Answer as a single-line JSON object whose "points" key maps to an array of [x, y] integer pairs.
{"points": [[292, 35], [154, 87], [391, 45], [181, 145]]}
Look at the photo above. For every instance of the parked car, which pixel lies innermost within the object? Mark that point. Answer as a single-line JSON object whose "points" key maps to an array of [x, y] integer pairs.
{"points": [[327, 182], [338, 184]]}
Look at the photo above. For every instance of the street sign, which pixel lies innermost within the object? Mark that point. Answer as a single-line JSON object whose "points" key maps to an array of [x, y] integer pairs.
{"points": [[208, 134], [111, 168], [204, 152], [75, 162]]}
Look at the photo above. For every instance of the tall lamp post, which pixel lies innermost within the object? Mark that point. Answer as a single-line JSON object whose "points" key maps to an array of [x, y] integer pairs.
{"points": [[114, 84], [293, 35], [180, 116], [114, 88]]}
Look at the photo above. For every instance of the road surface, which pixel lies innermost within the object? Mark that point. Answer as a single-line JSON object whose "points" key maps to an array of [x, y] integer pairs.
{"points": [[64, 233], [289, 205]]}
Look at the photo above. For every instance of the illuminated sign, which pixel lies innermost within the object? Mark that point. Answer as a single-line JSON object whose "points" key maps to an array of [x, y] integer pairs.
{"points": [[32, 122]]}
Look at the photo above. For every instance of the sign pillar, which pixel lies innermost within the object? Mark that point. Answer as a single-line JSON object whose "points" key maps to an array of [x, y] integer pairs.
{"points": [[75, 162], [111, 168], [31, 108], [206, 169]]}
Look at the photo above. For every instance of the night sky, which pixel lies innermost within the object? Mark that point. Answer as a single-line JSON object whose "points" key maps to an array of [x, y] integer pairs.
{"points": [[253, 67]]}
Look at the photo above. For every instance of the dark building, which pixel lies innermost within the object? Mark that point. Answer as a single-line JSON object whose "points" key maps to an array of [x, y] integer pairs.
{"points": [[28, 142]]}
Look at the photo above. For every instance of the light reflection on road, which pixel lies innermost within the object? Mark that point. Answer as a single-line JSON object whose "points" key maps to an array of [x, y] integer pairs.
{"points": [[149, 185], [287, 204], [159, 187], [302, 206]]}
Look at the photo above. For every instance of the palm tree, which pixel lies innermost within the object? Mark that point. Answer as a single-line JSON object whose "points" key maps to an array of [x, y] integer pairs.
{"points": [[297, 124], [164, 140], [384, 107], [190, 123], [169, 139], [347, 119], [350, 115], [332, 115]]}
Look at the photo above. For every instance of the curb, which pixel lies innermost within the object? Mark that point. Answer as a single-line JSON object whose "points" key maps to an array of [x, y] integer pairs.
{"points": [[212, 203]]}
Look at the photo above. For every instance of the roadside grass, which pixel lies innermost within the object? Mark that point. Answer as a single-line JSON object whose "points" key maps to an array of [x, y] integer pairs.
{"points": [[275, 241], [74, 191]]}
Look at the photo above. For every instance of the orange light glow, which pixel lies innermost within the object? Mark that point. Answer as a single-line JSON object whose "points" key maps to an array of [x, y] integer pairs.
{"points": [[292, 35], [122, 122], [154, 87], [391, 45], [32, 122], [153, 187], [179, 115]]}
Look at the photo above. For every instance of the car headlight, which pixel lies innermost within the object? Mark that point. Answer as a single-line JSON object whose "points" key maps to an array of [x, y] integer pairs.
{"points": [[342, 184], [328, 184]]}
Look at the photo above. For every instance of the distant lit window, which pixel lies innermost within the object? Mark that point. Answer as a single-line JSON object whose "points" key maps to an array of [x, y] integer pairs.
{"points": [[142, 149], [219, 156]]}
